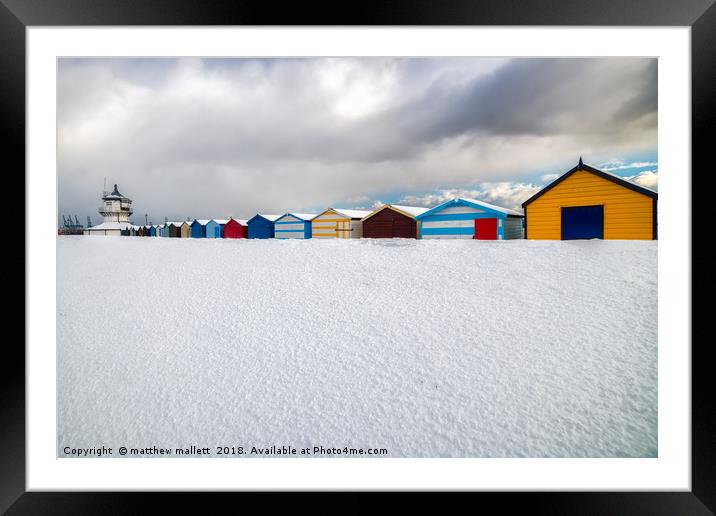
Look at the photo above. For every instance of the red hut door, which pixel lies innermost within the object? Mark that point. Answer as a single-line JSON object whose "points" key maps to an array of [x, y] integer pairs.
{"points": [[485, 229]]}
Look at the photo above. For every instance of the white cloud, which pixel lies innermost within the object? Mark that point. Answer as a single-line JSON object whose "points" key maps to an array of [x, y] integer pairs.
{"points": [[356, 89], [357, 199], [617, 164], [648, 179], [548, 177]]}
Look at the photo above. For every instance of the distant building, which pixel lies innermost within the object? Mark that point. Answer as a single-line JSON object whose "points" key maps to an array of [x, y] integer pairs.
{"points": [[236, 228], [175, 229], [392, 221], [207, 228], [338, 223], [218, 230], [198, 228], [115, 209], [262, 226], [185, 229], [470, 218], [294, 225]]}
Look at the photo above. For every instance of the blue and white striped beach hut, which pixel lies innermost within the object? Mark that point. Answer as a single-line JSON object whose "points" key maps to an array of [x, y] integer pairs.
{"points": [[470, 218], [294, 225]]}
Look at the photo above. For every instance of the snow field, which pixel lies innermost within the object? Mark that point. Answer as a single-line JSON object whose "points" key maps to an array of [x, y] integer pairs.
{"points": [[426, 348]]}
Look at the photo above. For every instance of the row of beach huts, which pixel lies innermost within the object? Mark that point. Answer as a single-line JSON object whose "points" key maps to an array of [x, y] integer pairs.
{"points": [[583, 203], [456, 218]]}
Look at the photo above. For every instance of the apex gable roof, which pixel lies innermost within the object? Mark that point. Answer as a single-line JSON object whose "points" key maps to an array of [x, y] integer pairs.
{"points": [[306, 217], [349, 214], [408, 211], [270, 218], [604, 175], [457, 201]]}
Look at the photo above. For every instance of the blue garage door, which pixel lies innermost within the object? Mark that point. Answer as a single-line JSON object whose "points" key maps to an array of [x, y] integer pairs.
{"points": [[582, 222]]}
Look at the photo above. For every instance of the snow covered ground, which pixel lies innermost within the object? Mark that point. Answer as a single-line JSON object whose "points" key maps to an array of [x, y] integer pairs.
{"points": [[425, 348]]}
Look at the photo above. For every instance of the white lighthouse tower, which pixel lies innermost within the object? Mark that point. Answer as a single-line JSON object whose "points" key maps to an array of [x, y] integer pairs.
{"points": [[116, 209]]}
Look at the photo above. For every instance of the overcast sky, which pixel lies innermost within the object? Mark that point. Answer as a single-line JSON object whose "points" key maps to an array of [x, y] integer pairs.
{"points": [[213, 138]]}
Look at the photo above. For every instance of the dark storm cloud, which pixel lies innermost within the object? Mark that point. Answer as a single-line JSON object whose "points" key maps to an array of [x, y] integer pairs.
{"points": [[603, 99], [537, 97]]}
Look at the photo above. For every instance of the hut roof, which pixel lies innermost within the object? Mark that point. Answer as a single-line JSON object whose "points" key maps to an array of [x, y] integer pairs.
{"points": [[412, 211], [302, 216], [491, 206], [473, 202], [351, 214], [601, 173], [271, 218]]}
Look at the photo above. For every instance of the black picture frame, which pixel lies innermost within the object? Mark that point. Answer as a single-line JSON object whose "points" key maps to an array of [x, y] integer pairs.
{"points": [[16, 15]]}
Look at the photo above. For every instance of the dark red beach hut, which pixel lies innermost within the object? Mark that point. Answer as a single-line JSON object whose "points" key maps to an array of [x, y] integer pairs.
{"points": [[392, 221], [236, 229]]}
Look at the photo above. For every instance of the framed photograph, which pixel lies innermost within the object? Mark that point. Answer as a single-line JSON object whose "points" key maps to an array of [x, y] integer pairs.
{"points": [[444, 250]]}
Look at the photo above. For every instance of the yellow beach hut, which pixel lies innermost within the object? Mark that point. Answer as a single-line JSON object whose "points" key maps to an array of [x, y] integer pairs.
{"points": [[586, 203], [338, 223]]}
